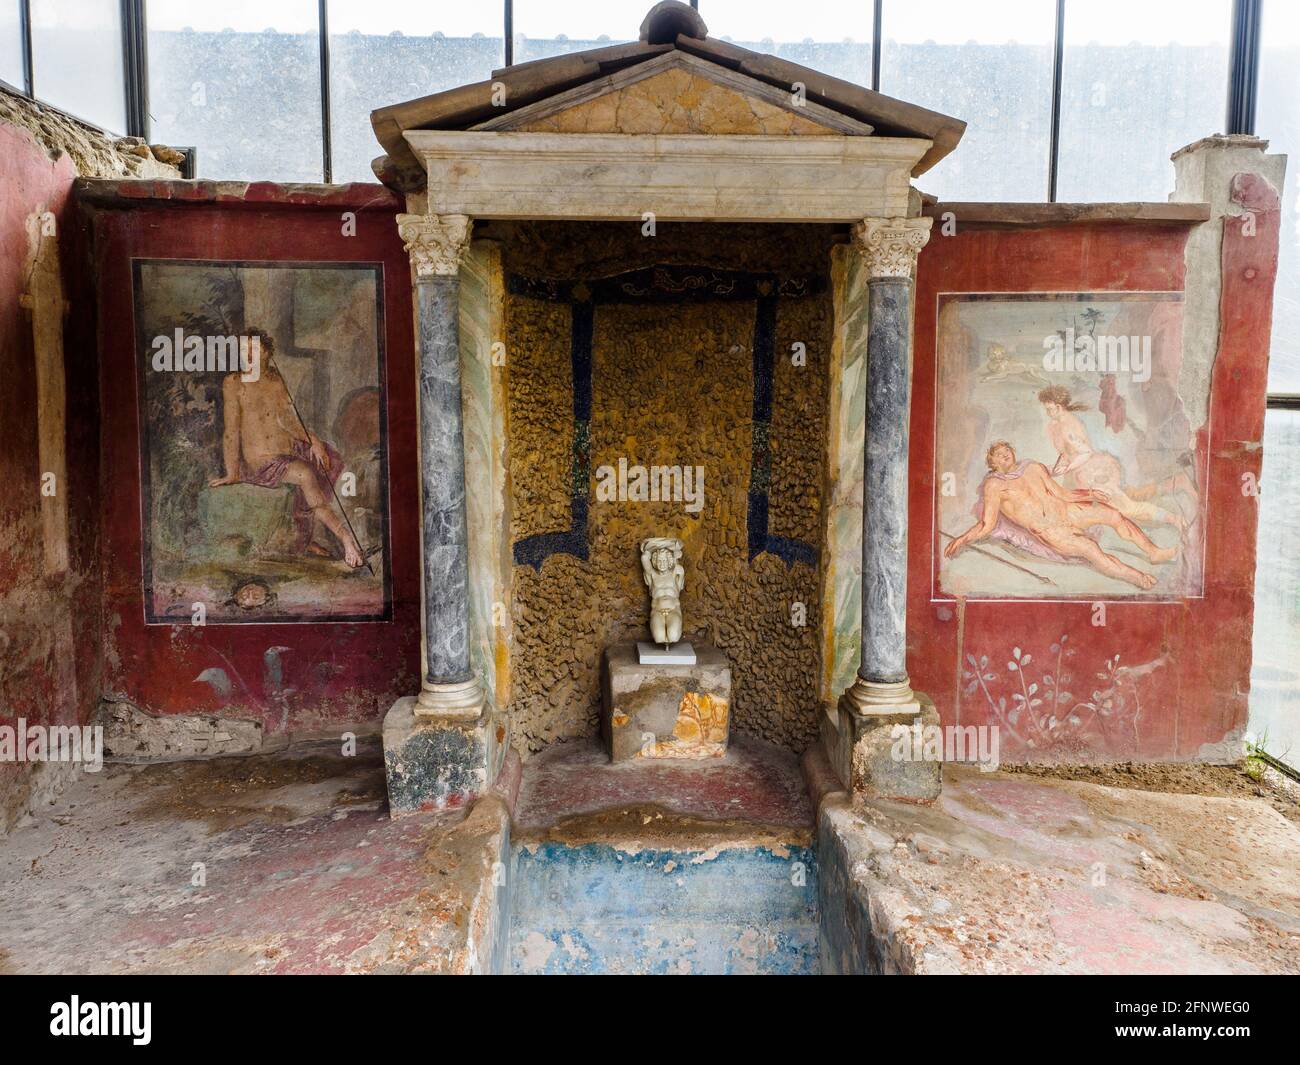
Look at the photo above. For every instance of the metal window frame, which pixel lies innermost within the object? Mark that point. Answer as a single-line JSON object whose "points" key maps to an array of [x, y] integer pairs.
{"points": [[509, 32], [1243, 69], [1243, 75], [133, 73], [877, 45], [25, 17], [326, 119], [135, 68], [1054, 134]]}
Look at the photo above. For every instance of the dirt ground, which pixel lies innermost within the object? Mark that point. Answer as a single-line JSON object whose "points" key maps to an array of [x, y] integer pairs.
{"points": [[1246, 780], [232, 792]]}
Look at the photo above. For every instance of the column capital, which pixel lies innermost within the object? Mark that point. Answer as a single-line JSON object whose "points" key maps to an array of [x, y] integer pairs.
{"points": [[436, 243], [890, 245]]}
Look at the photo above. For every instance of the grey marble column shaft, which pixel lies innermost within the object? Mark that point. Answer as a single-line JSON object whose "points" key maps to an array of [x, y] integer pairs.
{"points": [[884, 502], [442, 478]]}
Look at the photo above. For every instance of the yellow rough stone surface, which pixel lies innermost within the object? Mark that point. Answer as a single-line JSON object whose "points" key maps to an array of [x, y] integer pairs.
{"points": [[672, 384]]}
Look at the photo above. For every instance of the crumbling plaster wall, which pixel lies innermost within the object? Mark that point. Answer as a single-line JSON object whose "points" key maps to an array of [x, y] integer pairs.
{"points": [[1206, 176], [90, 152], [50, 586]]}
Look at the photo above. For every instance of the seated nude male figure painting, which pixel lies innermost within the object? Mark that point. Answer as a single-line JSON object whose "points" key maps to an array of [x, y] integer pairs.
{"points": [[1022, 505], [264, 442]]}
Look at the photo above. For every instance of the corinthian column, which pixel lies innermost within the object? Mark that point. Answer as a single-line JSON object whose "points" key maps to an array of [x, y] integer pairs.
{"points": [[445, 746], [881, 694], [436, 245], [889, 247]]}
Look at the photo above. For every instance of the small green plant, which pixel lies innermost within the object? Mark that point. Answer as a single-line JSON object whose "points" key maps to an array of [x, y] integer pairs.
{"points": [[1253, 767], [1258, 757]]}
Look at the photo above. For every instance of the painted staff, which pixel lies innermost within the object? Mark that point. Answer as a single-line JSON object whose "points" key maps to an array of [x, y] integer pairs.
{"points": [[365, 555], [1006, 562]]}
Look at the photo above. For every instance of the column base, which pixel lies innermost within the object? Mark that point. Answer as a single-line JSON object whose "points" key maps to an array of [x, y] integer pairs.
{"points": [[463, 699], [437, 763], [864, 748], [880, 697]]}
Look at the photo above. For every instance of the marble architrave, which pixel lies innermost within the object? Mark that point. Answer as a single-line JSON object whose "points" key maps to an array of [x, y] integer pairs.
{"points": [[620, 176]]}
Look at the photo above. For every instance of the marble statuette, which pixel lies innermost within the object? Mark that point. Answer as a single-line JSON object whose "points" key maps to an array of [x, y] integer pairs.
{"points": [[661, 566]]}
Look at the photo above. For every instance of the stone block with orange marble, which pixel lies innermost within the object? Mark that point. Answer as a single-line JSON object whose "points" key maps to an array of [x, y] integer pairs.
{"points": [[666, 711]]}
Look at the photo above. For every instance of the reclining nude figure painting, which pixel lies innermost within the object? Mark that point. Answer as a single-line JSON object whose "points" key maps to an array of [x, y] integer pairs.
{"points": [[1019, 498], [1075, 473]]}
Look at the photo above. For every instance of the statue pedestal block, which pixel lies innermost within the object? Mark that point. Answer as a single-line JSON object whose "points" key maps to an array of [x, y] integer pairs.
{"points": [[665, 711]]}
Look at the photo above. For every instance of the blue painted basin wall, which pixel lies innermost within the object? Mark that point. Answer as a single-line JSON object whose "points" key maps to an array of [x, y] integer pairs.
{"points": [[595, 909]]}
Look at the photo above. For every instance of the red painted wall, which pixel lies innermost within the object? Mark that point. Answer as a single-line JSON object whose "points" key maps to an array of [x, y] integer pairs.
{"points": [[1187, 663], [50, 655], [326, 674], [1184, 665]]}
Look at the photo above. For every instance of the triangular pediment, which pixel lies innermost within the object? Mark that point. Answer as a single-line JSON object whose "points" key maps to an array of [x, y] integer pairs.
{"points": [[678, 93], [675, 79]]}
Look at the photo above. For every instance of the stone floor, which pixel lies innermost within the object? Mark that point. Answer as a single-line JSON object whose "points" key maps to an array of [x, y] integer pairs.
{"points": [[1018, 873], [755, 785], [286, 863], [289, 863]]}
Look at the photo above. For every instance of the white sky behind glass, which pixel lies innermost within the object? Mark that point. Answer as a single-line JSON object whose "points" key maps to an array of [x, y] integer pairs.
{"points": [[11, 44], [620, 20], [415, 19], [243, 16], [1185, 22], [66, 14], [1123, 112], [411, 17], [1281, 27], [77, 59], [960, 21], [1003, 89], [1278, 121], [787, 20]]}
